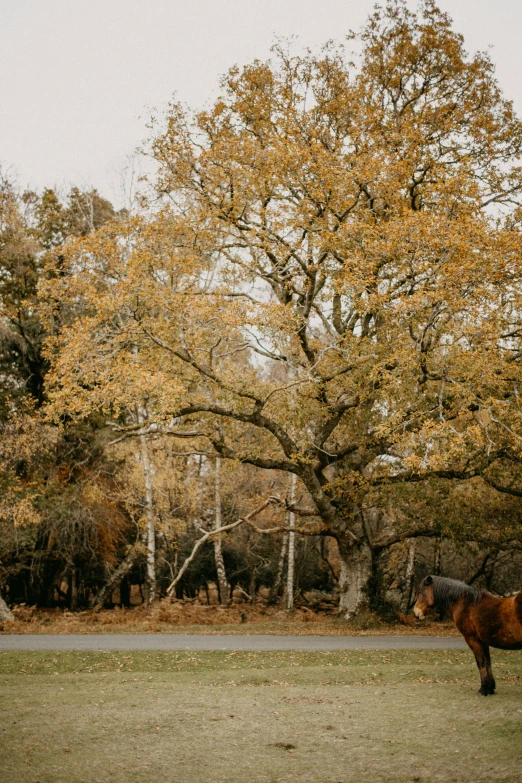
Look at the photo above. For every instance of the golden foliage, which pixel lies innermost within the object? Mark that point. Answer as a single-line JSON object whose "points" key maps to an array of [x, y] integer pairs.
{"points": [[331, 285]]}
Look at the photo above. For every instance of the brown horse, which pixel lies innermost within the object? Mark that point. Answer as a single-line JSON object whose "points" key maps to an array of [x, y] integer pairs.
{"points": [[483, 619]]}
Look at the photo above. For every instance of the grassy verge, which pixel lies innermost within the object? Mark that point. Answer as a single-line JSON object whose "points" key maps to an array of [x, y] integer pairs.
{"points": [[343, 667], [265, 717]]}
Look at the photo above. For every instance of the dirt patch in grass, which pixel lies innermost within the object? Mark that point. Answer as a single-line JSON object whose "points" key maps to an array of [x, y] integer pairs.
{"points": [[175, 616], [266, 717]]}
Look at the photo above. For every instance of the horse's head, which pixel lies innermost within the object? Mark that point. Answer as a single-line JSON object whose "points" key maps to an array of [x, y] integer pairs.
{"points": [[425, 600]]}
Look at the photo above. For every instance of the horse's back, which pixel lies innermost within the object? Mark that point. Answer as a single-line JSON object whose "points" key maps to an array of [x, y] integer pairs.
{"points": [[518, 606], [501, 622]]}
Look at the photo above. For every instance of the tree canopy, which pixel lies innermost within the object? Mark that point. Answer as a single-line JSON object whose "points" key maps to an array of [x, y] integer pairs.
{"points": [[321, 289], [327, 280]]}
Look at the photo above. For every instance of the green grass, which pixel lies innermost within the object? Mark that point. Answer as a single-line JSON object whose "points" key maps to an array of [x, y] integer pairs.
{"points": [[258, 717], [345, 667]]}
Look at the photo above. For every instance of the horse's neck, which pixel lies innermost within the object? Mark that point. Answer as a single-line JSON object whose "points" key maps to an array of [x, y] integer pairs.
{"points": [[454, 608]]}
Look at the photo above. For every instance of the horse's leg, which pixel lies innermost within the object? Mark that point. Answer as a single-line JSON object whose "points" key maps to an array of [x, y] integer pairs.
{"points": [[482, 657], [489, 672]]}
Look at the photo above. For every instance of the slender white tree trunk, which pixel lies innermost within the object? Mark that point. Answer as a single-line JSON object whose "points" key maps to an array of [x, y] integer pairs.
{"points": [[291, 548], [5, 612], [223, 585], [148, 471], [410, 573]]}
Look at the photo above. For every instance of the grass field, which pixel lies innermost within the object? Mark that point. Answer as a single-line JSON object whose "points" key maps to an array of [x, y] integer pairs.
{"points": [[258, 717]]}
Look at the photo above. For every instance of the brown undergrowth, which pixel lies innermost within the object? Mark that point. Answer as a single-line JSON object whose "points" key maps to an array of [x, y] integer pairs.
{"points": [[187, 617]]}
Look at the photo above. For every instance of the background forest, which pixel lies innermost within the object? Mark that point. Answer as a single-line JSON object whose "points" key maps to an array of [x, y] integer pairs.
{"points": [[292, 370]]}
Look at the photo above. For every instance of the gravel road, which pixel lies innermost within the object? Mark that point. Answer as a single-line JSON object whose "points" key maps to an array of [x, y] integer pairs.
{"points": [[156, 641]]}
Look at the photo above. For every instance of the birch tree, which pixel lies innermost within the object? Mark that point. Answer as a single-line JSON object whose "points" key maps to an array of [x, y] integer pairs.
{"points": [[148, 474], [290, 580], [223, 585]]}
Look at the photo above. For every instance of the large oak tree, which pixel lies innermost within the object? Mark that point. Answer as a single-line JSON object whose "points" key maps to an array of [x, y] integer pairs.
{"points": [[327, 281]]}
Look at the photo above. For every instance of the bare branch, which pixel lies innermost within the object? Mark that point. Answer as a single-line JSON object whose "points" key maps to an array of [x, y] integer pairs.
{"points": [[210, 534], [501, 488], [248, 519], [256, 418], [396, 538], [138, 431]]}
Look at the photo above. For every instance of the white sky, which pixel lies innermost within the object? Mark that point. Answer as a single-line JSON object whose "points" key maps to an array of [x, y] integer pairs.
{"points": [[79, 78]]}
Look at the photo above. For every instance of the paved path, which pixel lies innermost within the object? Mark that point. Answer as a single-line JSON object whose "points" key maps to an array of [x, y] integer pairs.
{"points": [[157, 641]]}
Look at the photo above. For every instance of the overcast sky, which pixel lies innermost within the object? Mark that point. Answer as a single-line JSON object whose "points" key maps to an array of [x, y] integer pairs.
{"points": [[79, 78]]}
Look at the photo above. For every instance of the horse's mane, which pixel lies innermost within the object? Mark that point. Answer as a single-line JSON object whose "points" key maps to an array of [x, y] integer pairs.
{"points": [[447, 590]]}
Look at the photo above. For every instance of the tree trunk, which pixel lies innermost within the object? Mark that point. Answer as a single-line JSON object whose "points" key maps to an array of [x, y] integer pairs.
{"points": [[436, 559], [72, 590], [291, 548], [123, 569], [125, 593], [278, 581], [223, 585], [410, 573], [253, 574], [5, 612], [149, 513], [355, 573]]}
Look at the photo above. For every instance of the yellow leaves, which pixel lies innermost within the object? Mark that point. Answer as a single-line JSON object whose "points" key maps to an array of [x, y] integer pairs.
{"points": [[20, 512], [25, 437], [175, 486], [326, 261], [26, 446]]}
